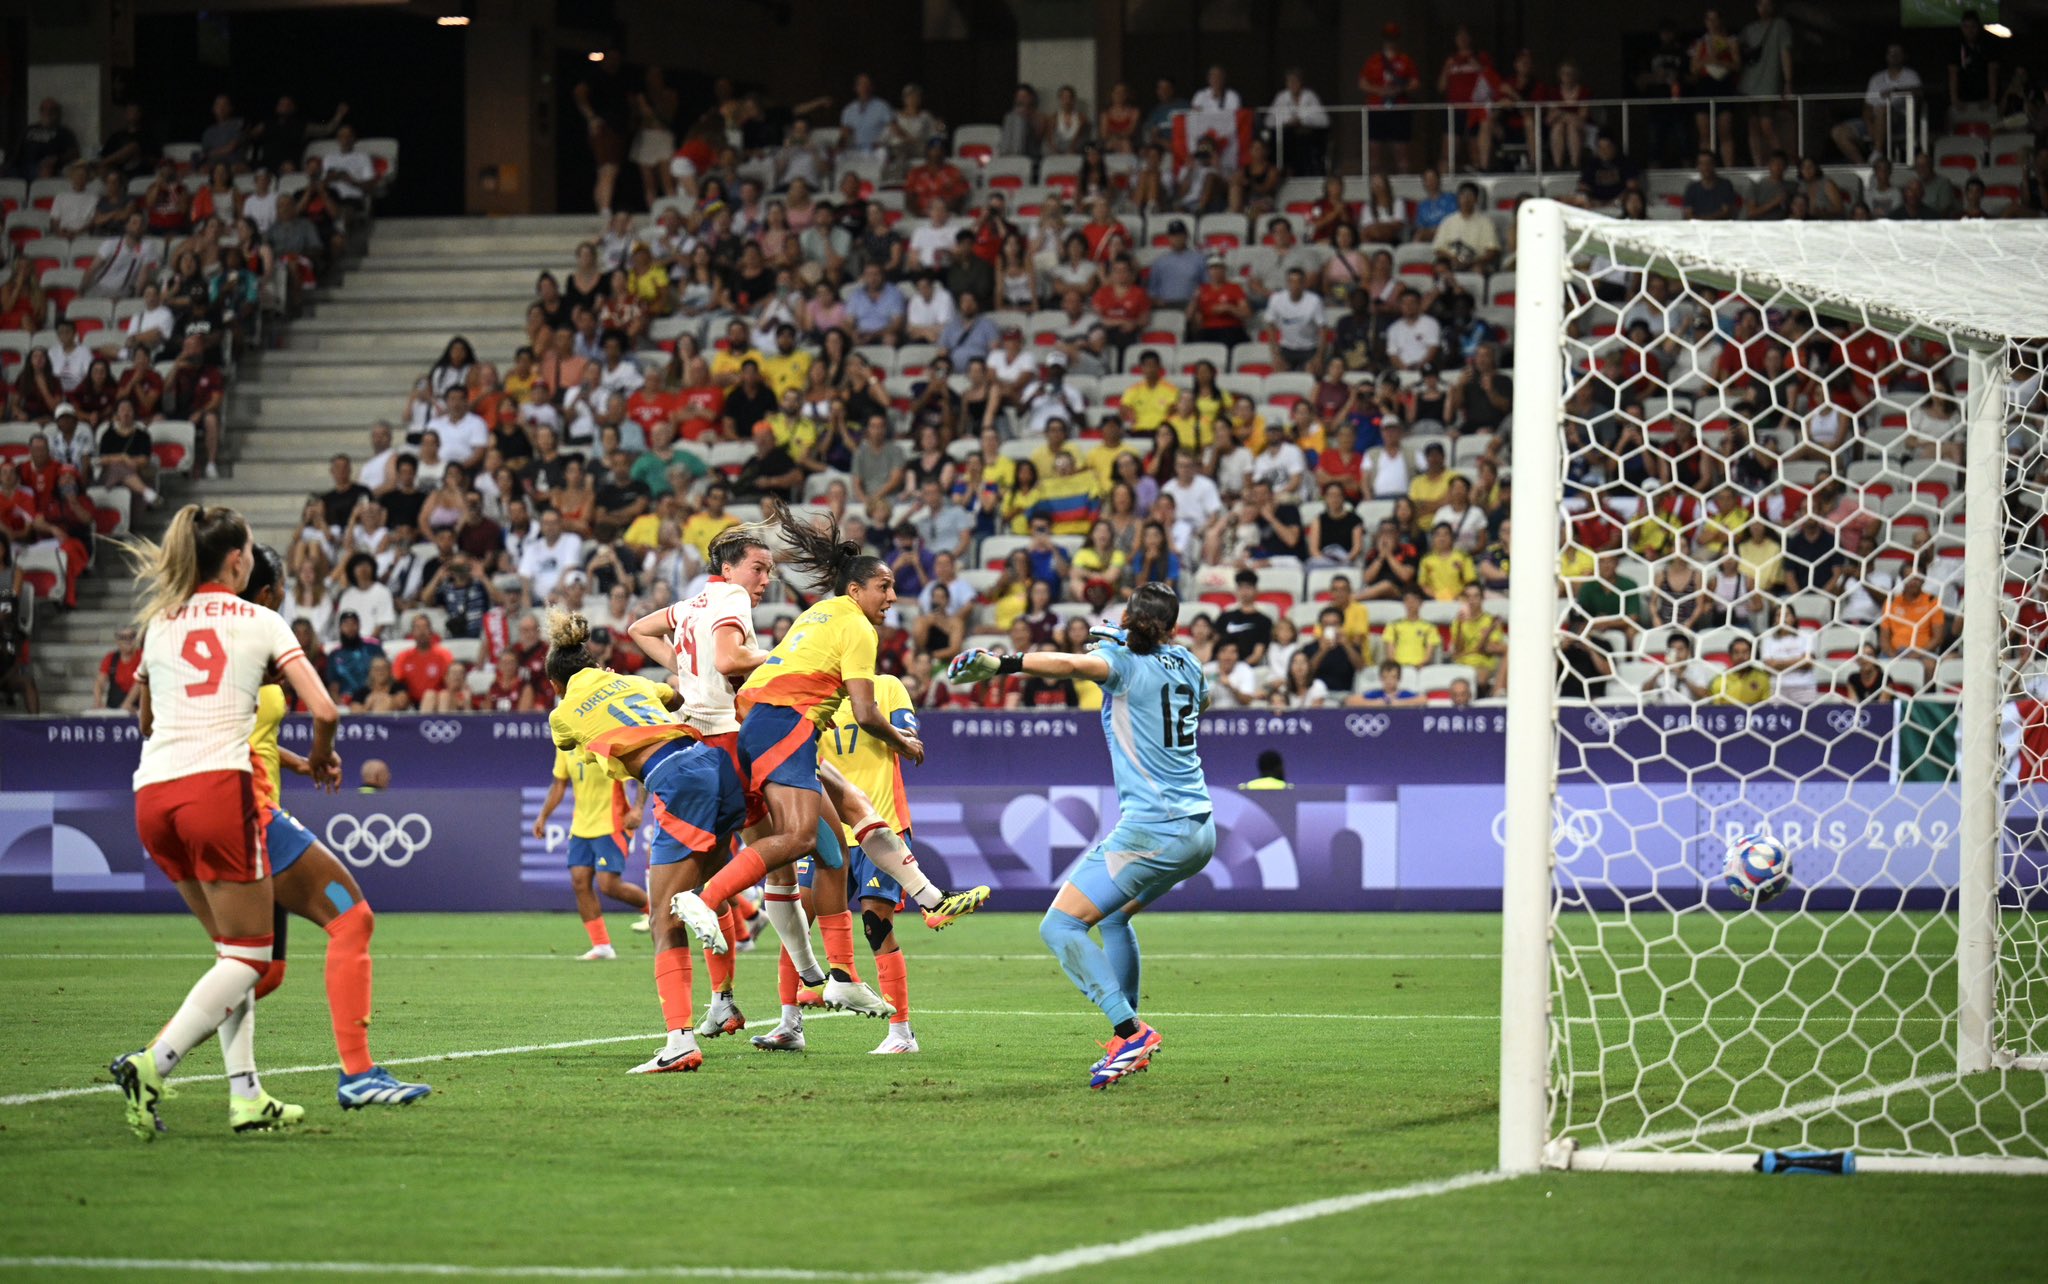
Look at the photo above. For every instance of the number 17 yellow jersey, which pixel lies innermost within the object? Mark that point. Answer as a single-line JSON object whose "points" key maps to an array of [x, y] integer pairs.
{"points": [[868, 763]]}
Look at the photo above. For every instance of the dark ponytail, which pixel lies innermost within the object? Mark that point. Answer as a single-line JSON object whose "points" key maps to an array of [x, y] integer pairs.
{"points": [[826, 563], [1151, 617], [266, 572]]}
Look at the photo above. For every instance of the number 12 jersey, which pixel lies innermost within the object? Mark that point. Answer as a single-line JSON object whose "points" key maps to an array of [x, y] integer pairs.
{"points": [[1150, 707]]}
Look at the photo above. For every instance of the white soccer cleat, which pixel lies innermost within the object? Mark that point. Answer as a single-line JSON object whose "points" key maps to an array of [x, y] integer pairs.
{"points": [[697, 916], [668, 1062], [640, 924], [597, 954], [788, 1036], [856, 997], [722, 1017], [900, 1040]]}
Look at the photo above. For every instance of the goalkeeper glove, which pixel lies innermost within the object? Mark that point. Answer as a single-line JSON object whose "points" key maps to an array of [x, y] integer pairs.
{"points": [[1108, 633], [974, 665]]}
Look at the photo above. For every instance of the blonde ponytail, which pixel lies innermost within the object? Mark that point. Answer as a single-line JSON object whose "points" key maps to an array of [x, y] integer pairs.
{"points": [[566, 630], [194, 546]]}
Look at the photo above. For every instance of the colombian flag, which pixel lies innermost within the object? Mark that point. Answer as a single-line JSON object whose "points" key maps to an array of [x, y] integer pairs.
{"points": [[1069, 503]]}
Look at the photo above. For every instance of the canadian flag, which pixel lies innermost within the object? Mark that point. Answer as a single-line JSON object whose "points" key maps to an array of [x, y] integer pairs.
{"points": [[1229, 132]]}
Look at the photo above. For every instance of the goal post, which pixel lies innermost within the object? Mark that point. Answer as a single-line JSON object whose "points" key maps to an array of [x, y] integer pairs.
{"points": [[1780, 494]]}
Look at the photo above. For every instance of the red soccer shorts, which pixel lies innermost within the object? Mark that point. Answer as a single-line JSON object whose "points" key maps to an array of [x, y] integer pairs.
{"points": [[205, 827]]}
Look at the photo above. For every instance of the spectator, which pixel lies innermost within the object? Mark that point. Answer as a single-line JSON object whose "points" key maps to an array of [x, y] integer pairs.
{"points": [[1466, 238], [1766, 73], [1973, 72], [114, 687], [1714, 61], [224, 142], [1940, 195], [866, 118], [1606, 177], [1468, 76], [1479, 639], [1390, 79], [1445, 569], [1123, 306], [1023, 129], [1297, 319], [936, 179], [545, 560], [1244, 624], [1175, 275], [46, 146], [1913, 623], [1301, 125], [1233, 684], [1710, 196], [1166, 104], [350, 657], [1390, 693], [421, 667], [1744, 682], [1884, 114]]}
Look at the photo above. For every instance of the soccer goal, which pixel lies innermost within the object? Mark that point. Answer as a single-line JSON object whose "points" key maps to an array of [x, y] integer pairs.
{"points": [[1779, 495]]}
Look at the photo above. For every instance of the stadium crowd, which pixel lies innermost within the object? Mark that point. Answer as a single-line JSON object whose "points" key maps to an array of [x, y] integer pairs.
{"points": [[133, 278]]}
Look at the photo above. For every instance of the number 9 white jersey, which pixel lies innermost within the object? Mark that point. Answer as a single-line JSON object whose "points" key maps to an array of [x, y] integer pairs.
{"points": [[693, 628], [204, 662]]}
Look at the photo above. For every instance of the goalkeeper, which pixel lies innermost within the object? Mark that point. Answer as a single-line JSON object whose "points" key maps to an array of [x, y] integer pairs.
{"points": [[1153, 695]]}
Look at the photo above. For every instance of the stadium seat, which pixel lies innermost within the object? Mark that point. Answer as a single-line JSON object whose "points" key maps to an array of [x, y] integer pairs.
{"points": [[174, 444]]}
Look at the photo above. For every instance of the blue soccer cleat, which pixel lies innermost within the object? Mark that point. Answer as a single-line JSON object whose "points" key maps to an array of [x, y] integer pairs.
{"points": [[1123, 1057], [376, 1087]]}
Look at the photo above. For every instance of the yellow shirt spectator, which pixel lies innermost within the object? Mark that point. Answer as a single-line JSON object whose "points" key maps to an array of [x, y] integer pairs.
{"points": [[1577, 563], [1762, 561], [794, 433], [1720, 529], [1746, 685], [725, 363], [1410, 643], [1357, 626], [1428, 492], [1443, 576], [1150, 404], [645, 532], [787, 370], [650, 287], [1194, 430], [702, 528], [1101, 460], [1042, 458], [1000, 471], [1469, 639]]}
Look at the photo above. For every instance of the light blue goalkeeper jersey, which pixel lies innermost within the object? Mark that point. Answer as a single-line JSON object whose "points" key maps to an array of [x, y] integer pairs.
{"points": [[1151, 705]]}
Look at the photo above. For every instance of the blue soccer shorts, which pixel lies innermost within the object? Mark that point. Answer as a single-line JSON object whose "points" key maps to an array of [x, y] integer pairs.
{"points": [[697, 799], [1143, 862], [605, 855], [778, 746], [287, 840]]}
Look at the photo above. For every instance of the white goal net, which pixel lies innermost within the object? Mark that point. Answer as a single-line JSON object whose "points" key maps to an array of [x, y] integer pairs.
{"points": [[1780, 496]]}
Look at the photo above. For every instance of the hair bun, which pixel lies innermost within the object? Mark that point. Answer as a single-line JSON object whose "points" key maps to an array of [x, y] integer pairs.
{"points": [[567, 630], [849, 549]]}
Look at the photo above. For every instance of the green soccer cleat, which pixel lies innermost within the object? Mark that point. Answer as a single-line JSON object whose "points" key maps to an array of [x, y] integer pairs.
{"points": [[143, 1088], [958, 905], [264, 1113]]}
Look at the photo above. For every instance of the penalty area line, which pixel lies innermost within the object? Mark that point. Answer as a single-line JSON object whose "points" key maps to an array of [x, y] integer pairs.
{"points": [[231, 1266], [1093, 1255]]}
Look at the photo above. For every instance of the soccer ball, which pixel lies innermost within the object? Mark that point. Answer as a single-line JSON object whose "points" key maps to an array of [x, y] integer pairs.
{"points": [[1757, 868]]}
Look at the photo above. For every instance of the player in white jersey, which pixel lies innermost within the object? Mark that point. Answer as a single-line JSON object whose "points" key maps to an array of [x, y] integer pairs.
{"points": [[205, 652]]}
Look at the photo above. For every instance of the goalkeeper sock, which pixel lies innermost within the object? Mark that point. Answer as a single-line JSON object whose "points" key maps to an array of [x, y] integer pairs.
{"points": [[1085, 964], [1120, 943], [886, 848]]}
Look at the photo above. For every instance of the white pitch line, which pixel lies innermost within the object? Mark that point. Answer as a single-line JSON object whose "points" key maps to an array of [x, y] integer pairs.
{"points": [[204, 1266], [1093, 1255]]}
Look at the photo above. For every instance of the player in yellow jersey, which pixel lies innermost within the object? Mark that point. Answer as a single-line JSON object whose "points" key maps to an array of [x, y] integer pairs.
{"points": [[827, 658], [871, 766], [600, 828], [310, 882], [630, 728]]}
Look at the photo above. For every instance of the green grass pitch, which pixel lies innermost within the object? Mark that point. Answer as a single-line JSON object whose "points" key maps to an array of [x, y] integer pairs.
{"points": [[1306, 1057]]}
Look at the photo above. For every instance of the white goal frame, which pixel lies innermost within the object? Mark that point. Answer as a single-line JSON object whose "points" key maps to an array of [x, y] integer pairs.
{"points": [[1544, 235]]}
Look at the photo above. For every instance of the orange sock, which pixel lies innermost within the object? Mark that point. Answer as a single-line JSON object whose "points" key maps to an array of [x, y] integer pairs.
{"points": [[598, 933], [672, 983], [348, 985], [895, 984], [718, 967], [787, 981], [838, 933], [743, 908], [273, 976], [745, 869]]}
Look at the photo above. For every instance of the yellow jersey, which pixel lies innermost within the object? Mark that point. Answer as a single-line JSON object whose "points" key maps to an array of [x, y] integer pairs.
{"points": [[1149, 404], [702, 528], [1444, 576], [597, 794], [869, 764], [786, 371], [796, 434], [808, 670], [609, 715], [1410, 642], [1749, 685], [1102, 459], [263, 754], [1428, 492]]}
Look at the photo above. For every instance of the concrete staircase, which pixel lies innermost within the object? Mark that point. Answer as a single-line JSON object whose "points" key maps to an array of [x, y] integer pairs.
{"points": [[350, 360]]}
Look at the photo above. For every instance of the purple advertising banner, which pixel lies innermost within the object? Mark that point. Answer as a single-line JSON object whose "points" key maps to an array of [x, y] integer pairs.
{"points": [[1391, 809], [1321, 746]]}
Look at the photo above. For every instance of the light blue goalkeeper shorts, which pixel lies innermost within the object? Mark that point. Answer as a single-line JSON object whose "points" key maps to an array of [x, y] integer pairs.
{"points": [[1143, 862]]}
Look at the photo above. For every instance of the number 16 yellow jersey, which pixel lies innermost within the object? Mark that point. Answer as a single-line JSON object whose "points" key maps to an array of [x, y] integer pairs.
{"points": [[868, 763], [609, 715]]}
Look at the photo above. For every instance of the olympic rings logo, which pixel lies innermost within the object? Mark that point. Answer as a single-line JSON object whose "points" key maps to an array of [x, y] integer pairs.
{"points": [[440, 731], [363, 842], [1845, 720], [1364, 725]]}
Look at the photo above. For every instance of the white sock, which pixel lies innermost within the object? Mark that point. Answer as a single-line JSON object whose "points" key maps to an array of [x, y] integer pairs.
{"points": [[787, 916], [887, 849], [680, 1041], [901, 1029], [206, 1006], [792, 1016], [238, 1048]]}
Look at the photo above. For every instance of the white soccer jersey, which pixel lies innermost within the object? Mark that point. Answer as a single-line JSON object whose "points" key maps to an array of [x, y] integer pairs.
{"points": [[204, 662], [693, 627]]}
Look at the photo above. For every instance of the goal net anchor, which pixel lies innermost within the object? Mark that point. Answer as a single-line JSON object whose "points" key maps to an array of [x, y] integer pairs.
{"points": [[1686, 392]]}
